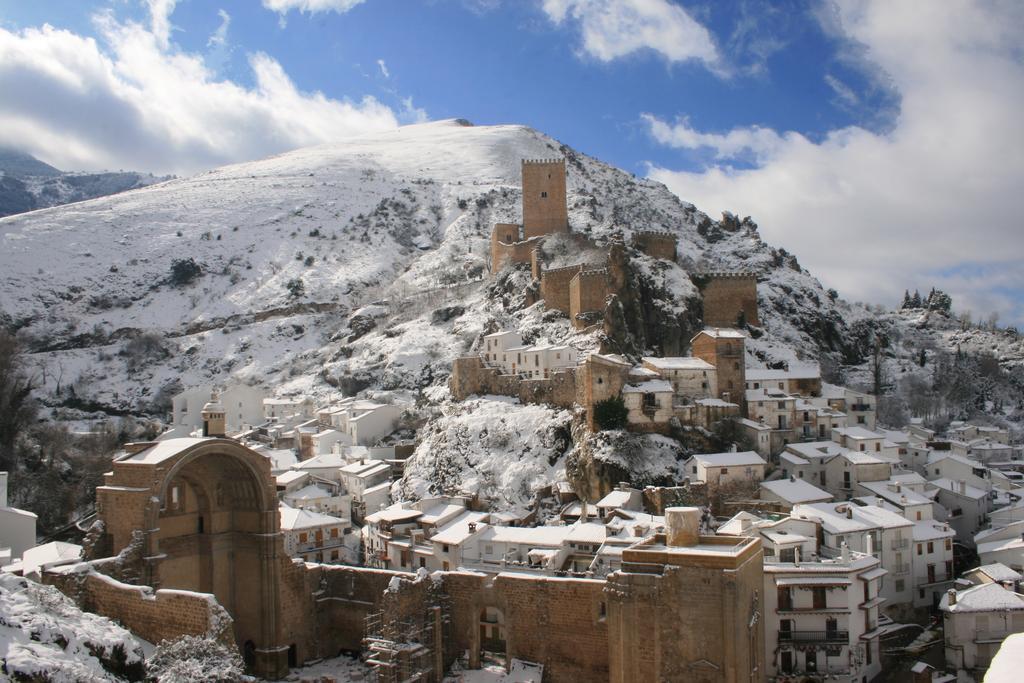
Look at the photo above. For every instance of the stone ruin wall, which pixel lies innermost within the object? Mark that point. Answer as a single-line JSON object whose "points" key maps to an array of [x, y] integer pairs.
{"points": [[726, 295], [659, 245], [154, 615], [588, 290], [471, 377]]}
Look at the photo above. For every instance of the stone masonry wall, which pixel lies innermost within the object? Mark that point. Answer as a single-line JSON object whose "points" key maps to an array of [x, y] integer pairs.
{"points": [[504, 252], [153, 615], [544, 203], [588, 290], [661, 245], [470, 376], [726, 295], [554, 287]]}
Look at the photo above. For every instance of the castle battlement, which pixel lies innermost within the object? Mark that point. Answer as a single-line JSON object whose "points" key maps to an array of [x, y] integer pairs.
{"points": [[552, 271], [593, 272], [543, 161], [728, 274], [654, 233]]}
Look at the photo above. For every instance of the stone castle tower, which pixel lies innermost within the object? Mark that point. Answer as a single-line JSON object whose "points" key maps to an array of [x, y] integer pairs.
{"points": [[724, 348], [544, 203]]}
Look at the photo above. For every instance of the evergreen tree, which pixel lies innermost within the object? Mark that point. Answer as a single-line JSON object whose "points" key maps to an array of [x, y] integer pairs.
{"points": [[906, 300], [915, 302]]}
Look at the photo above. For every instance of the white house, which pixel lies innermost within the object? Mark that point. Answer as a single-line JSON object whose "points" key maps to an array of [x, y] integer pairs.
{"points": [[821, 618], [1004, 545], [967, 507], [870, 529], [243, 408], [845, 472], [726, 468], [759, 434], [322, 496], [538, 362], [975, 623], [496, 346], [691, 378], [17, 527], [314, 536]]}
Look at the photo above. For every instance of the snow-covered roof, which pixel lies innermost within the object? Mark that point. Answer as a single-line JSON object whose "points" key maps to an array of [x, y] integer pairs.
{"points": [[834, 518], [365, 469], [654, 386], [321, 461], [752, 424], [1008, 662], [814, 450], [679, 363], [857, 433], [862, 458], [887, 490], [792, 458], [615, 499], [546, 536], [457, 530], [1001, 546], [715, 403], [813, 581], [901, 498], [396, 513], [959, 488], [441, 513], [796, 491], [721, 333], [49, 554], [586, 532], [930, 530], [729, 459], [311, 492], [997, 571], [290, 477], [985, 597], [293, 519], [160, 451]]}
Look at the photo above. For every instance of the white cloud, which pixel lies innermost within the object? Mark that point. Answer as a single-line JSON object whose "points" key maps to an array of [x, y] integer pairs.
{"points": [[129, 102], [934, 197], [383, 68], [220, 36], [760, 142], [311, 6], [615, 28]]}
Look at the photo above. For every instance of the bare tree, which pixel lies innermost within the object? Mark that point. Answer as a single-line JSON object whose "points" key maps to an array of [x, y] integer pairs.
{"points": [[17, 407]]}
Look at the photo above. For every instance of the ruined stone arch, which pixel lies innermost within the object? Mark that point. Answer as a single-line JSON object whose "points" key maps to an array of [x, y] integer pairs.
{"points": [[209, 516]]}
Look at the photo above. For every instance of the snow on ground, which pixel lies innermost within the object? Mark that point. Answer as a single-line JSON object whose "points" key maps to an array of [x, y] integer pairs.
{"points": [[493, 446], [43, 633], [339, 669]]}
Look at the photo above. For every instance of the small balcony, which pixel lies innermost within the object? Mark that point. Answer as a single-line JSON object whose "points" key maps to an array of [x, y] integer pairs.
{"points": [[860, 407], [899, 543], [901, 568], [814, 637]]}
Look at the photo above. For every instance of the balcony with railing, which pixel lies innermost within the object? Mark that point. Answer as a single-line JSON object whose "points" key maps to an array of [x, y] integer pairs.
{"points": [[899, 543], [903, 568], [814, 637]]}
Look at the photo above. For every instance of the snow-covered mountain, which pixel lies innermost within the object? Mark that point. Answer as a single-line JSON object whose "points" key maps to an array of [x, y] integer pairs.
{"points": [[360, 266], [27, 184]]}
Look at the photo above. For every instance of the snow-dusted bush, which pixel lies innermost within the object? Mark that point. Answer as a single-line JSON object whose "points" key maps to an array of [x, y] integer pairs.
{"points": [[195, 658]]}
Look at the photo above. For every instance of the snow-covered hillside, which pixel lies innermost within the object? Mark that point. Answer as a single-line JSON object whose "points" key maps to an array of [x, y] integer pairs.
{"points": [[291, 249], [360, 266]]}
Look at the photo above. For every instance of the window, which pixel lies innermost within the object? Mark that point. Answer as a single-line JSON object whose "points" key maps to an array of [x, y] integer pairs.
{"points": [[303, 537], [785, 598], [444, 548], [920, 549], [860, 421], [543, 195], [334, 532], [900, 585], [818, 596], [931, 547], [695, 469], [334, 555], [488, 550], [949, 544], [862, 446], [919, 515], [878, 447], [725, 470]]}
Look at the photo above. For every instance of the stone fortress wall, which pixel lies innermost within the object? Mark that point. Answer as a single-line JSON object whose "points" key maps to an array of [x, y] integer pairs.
{"points": [[729, 298]]}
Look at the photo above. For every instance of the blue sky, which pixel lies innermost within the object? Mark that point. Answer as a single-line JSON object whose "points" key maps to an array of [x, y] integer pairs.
{"points": [[876, 140]]}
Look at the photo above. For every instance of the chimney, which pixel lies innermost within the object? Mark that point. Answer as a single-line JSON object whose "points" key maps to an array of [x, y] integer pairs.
{"points": [[792, 478], [583, 510], [796, 556], [472, 527], [899, 488], [845, 552], [869, 544], [682, 526], [849, 512], [951, 594], [3, 489]]}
